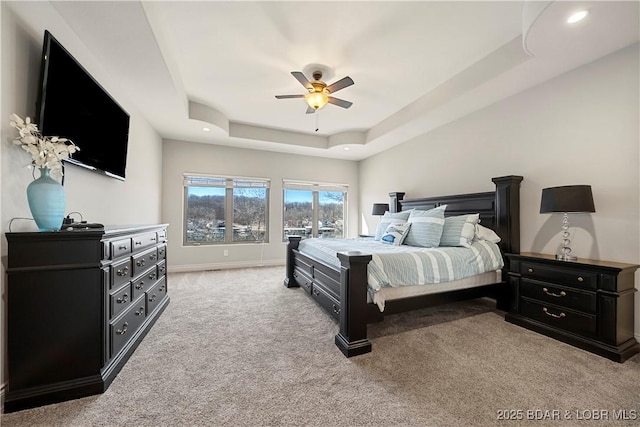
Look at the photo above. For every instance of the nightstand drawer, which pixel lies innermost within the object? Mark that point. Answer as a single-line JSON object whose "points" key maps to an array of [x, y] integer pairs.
{"points": [[558, 317], [559, 295], [563, 276]]}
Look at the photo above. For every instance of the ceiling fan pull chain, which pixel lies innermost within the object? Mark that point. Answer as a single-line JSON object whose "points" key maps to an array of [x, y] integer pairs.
{"points": [[317, 120]]}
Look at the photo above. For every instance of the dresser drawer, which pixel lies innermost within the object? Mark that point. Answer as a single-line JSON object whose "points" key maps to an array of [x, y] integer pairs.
{"points": [[559, 295], [562, 276], [120, 300], [162, 268], [144, 282], [126, 325], [558, 317], [120, 273], [145, 240], [302, 279], [120, 248], [327, 301], [144, 260], [156, 294], [162, 251], [161, 236]]}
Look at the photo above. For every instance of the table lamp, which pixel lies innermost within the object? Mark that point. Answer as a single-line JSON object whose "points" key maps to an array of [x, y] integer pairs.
{"points": [[567, 199]]}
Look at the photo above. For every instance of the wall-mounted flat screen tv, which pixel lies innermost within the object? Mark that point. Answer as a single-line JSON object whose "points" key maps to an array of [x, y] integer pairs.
{"points": [[72, 104]]}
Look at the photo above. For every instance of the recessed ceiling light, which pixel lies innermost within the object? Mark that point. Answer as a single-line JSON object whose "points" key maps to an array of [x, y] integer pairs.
{"points": [[578, 16], [206, 129]]}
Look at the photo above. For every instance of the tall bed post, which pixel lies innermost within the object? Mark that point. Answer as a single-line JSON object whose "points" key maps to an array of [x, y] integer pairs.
{"points": [[508, 227], [294, 242], [508, 212], [394, 201], [352, 339]]}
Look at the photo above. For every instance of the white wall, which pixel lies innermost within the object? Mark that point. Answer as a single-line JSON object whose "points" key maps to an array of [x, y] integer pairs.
{"points": [[579, 128], [180, 157], [98, 198]]}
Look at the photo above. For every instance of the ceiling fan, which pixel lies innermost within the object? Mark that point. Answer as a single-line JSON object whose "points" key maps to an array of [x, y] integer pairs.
{"points": [[319, 92]]}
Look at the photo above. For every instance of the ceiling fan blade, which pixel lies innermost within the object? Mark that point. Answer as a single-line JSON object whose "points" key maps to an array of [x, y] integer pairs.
{"points": [[310, 110], [340, 84], [289, 96], [340, 102], [302, 79]]}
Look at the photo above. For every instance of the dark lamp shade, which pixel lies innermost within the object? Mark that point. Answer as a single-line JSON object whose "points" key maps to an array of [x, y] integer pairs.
{"points": [[570, 198], [380, 208]]}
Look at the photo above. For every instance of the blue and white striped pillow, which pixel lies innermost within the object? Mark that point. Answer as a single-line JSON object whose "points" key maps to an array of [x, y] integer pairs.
{"points": [[426, 227], [390, 218], [459, 230]]}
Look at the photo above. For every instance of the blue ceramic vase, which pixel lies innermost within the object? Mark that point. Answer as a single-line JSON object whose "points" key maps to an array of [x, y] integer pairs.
{"points": [[47, 201]]}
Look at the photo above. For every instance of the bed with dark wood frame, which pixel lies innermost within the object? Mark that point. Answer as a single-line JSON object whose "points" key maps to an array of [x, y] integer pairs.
{"points": [[343, 292]]}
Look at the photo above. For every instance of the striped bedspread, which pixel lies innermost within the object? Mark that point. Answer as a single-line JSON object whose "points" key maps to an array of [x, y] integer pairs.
{"points": [[409, 265]]}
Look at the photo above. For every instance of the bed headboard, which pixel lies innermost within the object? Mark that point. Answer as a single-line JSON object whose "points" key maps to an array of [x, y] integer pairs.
{"points": [[499, 209]]}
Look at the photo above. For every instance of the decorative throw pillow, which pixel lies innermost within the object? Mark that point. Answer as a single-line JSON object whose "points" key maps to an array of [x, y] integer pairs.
{"points": [[395, 233], [459, 230], [484, 233], [390, 218], [426, 227]]}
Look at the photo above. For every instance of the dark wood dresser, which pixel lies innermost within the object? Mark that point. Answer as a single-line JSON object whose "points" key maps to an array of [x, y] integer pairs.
{"points": [[585, 303], [78, 304]]}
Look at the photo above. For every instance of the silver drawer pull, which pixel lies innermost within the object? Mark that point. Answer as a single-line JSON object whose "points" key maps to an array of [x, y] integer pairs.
{"points": [[561, 294], [122, 247], [153, 256], [123, 330], [123, 272], [580, 279], [138, 243], [530, 270], [152, 276], [140, 312], [125, 298], [152, 298], [557, 316], [315, 292], [336, 310], [141, 262], [140, 285]]}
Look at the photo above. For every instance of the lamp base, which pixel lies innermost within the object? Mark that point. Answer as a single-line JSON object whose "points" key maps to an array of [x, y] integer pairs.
{"points": [[565, 257]]}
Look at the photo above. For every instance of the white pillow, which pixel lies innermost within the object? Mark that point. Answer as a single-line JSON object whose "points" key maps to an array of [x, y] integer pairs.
{"points": [[395, 233], [484, 233]]}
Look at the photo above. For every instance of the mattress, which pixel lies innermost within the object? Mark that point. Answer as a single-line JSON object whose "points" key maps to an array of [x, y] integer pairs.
{"points": [[405, 266]]}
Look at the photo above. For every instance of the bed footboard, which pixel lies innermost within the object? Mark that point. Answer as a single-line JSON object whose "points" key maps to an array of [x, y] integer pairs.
{"points": [[342, 293]]}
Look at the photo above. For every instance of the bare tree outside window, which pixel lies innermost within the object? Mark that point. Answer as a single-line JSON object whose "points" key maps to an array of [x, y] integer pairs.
{"points": [[225, 210], [313, 212], [205, 214]]}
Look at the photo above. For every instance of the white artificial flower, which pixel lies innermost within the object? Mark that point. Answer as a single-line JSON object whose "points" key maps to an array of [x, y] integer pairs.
{"points": [[45, 151]]}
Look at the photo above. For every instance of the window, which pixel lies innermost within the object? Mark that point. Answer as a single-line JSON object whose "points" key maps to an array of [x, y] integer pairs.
{"points": [[314, 210], [225, 210]]}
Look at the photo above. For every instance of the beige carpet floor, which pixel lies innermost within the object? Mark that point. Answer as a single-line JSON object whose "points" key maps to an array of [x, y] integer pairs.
{"points": [[235, 347]]}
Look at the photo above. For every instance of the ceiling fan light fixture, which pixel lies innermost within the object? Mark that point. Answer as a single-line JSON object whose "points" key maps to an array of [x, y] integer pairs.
{"points": [[316, 100]]}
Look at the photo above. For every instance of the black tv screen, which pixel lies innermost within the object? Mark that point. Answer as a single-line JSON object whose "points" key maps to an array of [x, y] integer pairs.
{"points": [[71, 104]]}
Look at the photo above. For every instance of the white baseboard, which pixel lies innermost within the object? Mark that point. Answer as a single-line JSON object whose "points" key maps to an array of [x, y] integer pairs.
{"points": [[224, 265]]}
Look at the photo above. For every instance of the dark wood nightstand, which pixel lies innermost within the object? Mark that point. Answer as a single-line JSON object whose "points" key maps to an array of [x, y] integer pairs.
{"points": [[586, 303]]}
